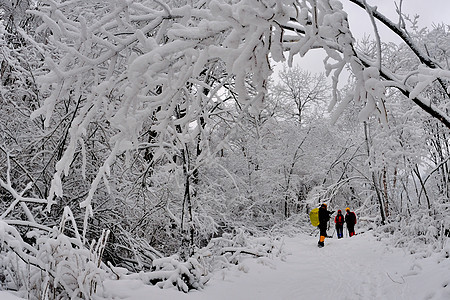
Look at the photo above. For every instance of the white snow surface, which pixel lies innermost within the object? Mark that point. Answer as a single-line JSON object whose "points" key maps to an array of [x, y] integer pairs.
{"points": [[360, 267], [8, 296]]}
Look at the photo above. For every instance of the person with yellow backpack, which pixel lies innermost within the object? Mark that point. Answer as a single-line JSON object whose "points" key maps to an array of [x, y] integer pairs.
{"points": [[324, 217]]}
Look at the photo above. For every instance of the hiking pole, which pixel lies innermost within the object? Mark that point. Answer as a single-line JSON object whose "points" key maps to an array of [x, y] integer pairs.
{"points": [[329, 229]]}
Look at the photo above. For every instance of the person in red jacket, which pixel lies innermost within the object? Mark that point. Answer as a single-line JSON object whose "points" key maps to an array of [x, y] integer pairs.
{"points": [[339, 220], [350, 220]]}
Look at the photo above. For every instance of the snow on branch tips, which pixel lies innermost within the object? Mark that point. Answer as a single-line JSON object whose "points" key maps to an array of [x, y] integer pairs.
{"points": [[128, 69]]}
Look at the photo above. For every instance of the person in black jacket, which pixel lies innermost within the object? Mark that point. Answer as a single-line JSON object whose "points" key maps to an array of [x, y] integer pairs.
{"points": [[324, 217], [350, 220]]}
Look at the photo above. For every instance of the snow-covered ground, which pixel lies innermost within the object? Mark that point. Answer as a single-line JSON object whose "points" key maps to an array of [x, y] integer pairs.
{"points": [[351, 268]]}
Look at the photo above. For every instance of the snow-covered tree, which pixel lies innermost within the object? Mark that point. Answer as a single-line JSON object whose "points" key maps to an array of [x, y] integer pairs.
{"points": [[301, 94], [127, 110], [154, 61]]}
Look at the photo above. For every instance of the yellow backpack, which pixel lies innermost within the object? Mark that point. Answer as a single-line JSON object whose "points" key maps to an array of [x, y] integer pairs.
{"points": [[314, 217]]}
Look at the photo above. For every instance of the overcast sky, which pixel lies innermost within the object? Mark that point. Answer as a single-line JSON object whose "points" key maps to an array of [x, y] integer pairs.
{"points": [[430, 12]]}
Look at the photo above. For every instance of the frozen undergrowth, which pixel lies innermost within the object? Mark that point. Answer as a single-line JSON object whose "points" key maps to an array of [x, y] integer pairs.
{"points": [[54, 265], [51, 265], [223, 252], [426, 232]]}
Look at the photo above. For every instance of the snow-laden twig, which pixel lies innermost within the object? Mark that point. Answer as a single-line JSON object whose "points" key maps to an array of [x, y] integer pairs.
{"points": [[401, 33], [370, 10], [7, 185], [403, 279]]}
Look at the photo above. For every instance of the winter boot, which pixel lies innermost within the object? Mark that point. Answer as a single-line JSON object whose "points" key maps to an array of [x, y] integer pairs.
{"points": [[321, 240]]}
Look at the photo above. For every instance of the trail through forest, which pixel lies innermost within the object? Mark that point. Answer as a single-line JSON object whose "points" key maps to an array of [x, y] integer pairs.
{"points": [[360, 267]]}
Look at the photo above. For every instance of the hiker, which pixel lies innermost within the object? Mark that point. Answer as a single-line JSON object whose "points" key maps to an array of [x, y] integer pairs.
{"points": [[339, 220], [324, 217], [350, 220]]}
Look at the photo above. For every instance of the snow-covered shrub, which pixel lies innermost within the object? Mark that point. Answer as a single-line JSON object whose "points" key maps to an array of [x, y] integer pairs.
{"points": [[424, 232], [53, 265], [297, 223], [231, 249], [170, 271], [222, 252]]}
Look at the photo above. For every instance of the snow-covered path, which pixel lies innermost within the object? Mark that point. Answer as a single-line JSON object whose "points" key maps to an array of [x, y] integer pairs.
{"points": [[351, 268]]}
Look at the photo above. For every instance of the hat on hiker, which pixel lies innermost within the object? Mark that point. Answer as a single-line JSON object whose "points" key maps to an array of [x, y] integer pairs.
{"points": [[347, 209]]}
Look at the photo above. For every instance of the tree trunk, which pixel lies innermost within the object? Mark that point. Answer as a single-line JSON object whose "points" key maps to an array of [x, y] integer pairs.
{"points": [[374, 179], [422, 183]]}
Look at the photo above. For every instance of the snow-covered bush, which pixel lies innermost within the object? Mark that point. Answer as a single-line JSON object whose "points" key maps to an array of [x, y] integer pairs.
{"points": [[51, 265], [425, 232], [170, 271], [231, 249], [222, 252]]}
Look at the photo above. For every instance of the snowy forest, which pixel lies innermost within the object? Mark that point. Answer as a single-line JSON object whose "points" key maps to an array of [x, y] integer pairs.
{"points": [[153, 139]]}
